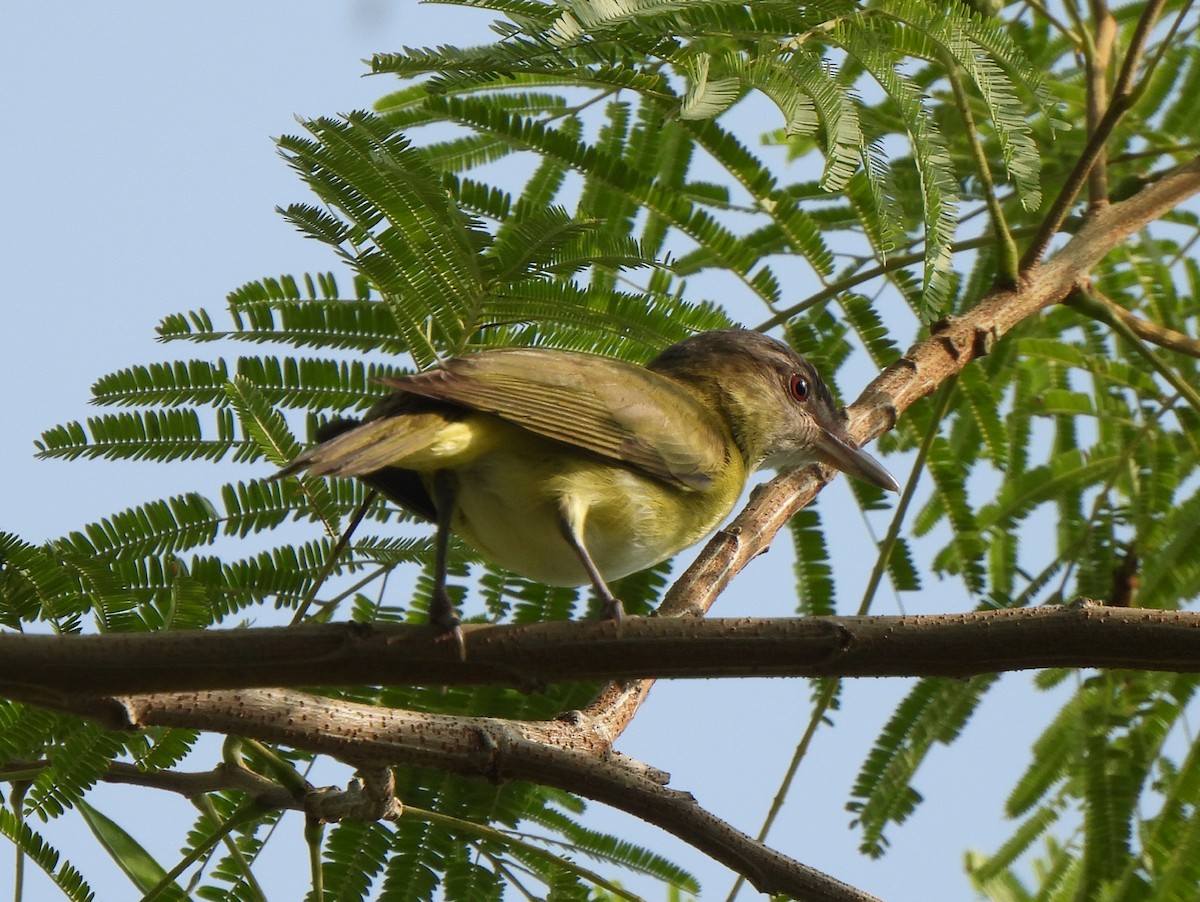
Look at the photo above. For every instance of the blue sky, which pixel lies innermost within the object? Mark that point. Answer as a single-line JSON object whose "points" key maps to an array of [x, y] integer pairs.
{"points": [[139, 179]]}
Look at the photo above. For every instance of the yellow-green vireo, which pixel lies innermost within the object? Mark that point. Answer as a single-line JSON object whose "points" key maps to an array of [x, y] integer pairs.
{"points": [[570, 468]]}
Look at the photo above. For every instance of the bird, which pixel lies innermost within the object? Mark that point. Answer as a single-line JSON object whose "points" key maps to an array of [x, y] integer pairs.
{"points": [[570, 468]]}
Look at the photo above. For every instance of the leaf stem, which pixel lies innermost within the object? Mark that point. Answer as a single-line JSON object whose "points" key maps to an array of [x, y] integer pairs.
{"points": [[461, 826], [244, 814], [833, 289], [1007, 262], [334, 554]]}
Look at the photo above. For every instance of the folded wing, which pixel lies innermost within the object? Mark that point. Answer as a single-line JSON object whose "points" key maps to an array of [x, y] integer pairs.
{"points": [[607, 407]]}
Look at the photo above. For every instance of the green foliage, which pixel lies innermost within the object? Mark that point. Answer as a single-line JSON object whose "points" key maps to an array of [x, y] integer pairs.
{"points": [[31, 845], [1102, 760], [815, 586], [703, 58], [934, 712], [1125, 474], [139, 866], [634, 208], [228, 856]]}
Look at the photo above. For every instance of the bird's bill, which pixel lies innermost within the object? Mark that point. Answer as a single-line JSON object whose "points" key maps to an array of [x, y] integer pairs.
{"points": [[837, 452]]}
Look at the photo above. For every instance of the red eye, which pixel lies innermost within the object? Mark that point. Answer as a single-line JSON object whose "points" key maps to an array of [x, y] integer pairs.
{"points": [[798, 386]]}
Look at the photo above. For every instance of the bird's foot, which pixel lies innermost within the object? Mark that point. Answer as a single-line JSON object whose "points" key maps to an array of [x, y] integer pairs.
{"points": [[612, 609], [443, 615]]}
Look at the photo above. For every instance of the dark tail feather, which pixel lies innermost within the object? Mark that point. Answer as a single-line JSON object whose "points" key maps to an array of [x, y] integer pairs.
{"points": [[330, 430], [336, 427], [404, 487]]}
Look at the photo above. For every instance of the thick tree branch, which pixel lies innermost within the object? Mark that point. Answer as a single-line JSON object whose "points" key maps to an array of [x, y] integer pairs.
{"points": [[370, 796], [51, 670], [571, 753], [956, 342]]}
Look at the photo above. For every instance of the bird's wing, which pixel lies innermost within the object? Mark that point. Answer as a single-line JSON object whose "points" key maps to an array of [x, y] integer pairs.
{"points": [[607, 407]]}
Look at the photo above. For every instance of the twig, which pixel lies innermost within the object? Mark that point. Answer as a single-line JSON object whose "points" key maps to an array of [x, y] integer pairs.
{"points": [[1098, 53], [334, 554], [833, 289], [1091, 305], [1149, 331], [1123, 95], [571, 754]]}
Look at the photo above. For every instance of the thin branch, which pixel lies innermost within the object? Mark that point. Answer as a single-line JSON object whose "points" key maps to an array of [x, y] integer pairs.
{"points": [[509, 838], [1100, 309], [1098, 52], [1072, 552], [1123, 95], [245, 813], [900, 261], [1149, 331], [370, 796], [334, 554], [1131, 156], [1071, 34], [252, 889]]}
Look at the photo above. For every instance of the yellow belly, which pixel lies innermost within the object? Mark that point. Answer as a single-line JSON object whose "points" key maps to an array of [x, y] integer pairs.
{"points": [[511, 501]]}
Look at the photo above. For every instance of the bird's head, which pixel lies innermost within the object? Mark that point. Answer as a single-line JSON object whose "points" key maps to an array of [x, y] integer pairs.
{"points": [[775, 404]]}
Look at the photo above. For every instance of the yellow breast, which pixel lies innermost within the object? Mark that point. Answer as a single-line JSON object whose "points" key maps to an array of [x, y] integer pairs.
{"points": [[512, 500]]}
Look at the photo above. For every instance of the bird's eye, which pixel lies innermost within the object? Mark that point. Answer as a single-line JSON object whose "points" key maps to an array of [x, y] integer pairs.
{"points": [[799, 387]]}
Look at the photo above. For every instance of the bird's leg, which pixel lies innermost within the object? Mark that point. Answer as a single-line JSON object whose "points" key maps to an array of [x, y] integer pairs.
{"points": [[611, 605], [441, 608]]}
